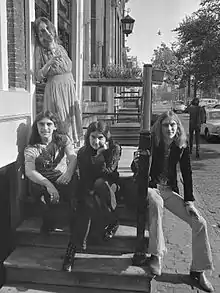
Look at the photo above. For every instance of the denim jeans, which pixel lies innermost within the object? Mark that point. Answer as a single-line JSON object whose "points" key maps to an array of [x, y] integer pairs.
{"points": [[161, 197]]}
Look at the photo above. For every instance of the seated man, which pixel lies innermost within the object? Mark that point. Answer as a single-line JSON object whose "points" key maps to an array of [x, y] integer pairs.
{"points": [[50, 163]]}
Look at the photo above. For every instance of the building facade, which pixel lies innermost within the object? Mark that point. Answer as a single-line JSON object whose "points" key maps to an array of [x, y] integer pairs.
{"points": [[91, 32]]}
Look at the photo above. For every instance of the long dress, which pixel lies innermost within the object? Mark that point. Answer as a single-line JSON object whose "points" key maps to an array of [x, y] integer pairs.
{"points": [[60, 93]]}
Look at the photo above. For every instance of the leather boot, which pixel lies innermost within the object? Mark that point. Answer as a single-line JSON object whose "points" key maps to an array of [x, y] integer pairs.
{"points": [[155, 265], [139, 259], [202, 280], [69, 257]]}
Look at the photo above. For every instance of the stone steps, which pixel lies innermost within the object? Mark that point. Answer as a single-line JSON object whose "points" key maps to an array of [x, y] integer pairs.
{"points": [[106, 267]]}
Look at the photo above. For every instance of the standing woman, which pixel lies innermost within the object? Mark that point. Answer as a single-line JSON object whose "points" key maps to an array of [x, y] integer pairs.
{"points": [[50, 164], [169, 147], [53, 64], [98, 163]]}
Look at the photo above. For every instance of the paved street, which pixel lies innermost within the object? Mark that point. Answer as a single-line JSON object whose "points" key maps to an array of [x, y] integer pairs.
{"points": [[206, 175]]}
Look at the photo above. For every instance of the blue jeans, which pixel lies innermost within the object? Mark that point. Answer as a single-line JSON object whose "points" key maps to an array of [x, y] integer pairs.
{"points": [[162, 197]]}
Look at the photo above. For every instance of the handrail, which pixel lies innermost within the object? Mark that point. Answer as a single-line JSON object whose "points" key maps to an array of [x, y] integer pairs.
{"points": [[112, 113], [137, 97], [114, 82]]}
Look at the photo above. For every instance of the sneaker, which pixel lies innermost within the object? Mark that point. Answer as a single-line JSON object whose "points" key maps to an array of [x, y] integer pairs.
{"points": [[110, 231], [155, 265], [69, 257], [203, 282]]}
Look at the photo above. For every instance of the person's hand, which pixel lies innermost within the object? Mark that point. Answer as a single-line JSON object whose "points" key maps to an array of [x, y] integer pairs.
{"points": [[54, 194], [54, 60], [102, 148], [191, 210], [64, 178]]}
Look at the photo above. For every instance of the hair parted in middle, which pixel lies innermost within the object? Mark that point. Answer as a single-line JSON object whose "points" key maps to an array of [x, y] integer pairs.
{"points": [[35, 137], [100, 126], [180, 137]]}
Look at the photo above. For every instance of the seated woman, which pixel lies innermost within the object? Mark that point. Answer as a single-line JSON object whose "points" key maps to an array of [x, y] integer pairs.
{"points": [[50, 163], [170, 147], [97, 162]]}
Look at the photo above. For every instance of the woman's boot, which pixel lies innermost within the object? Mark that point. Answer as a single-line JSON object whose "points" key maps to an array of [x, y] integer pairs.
{"points": [[69, 257]]}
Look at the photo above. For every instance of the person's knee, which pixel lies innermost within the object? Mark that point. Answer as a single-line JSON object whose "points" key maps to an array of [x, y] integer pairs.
{"points": [[99, 183], [154, 199]]}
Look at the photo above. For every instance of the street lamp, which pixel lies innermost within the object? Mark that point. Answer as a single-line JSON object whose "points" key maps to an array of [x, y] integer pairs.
{"points": [[127, 24]]}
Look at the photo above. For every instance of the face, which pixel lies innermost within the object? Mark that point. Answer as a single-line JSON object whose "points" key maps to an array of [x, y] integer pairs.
{"points": [[44, 33], [169, 128], [97, 140], [45, 129]]}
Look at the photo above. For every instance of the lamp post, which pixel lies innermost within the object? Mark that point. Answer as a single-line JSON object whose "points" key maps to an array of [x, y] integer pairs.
{"points": [[127, 24]]}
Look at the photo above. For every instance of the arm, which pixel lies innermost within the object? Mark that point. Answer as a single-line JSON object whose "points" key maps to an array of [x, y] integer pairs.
{"points": [[109, 166], [43, 66], [185, 167], [72, 162], [35, 176]]}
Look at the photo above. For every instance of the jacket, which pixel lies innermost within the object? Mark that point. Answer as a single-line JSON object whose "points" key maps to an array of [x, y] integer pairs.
{"points": [[92, 166], [176, 155]]}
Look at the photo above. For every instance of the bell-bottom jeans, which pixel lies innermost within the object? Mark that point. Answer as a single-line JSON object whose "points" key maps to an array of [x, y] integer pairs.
{"points": [[162, 197]]}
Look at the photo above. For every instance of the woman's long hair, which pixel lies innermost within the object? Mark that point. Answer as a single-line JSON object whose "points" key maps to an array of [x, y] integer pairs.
{"points": [[180, 137], [51, 28], [102, 127], [35, 137]]}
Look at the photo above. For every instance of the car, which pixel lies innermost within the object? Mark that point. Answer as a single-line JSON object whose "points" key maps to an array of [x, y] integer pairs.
{"points": [[208, 102], [216, 106], [179, 107], [211, 128]]}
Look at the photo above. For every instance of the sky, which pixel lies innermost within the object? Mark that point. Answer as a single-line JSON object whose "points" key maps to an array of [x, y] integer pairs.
{"points": [[152, 16]]}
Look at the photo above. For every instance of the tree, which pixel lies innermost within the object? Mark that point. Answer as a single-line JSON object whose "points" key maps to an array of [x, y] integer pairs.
{"points": [[199, 44], [165, 58]]}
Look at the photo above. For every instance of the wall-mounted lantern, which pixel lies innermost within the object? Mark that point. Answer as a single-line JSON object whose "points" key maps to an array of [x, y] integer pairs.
{"points": [[127, 24]]}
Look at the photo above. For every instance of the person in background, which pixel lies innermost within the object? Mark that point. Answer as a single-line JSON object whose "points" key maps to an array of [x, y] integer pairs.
{"points": [[98, 181], [196, 118], [53, 64], [169, 147], [50, 164]]}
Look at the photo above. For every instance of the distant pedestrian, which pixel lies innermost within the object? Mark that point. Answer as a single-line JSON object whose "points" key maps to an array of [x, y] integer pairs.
{"points": [[53, 65], [97, 162], [169, 147], [196, 118]]}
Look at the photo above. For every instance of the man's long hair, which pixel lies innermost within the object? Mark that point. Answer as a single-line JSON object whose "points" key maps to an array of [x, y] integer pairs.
{"points": [[100, 126], [180, 137], [35, 137]]}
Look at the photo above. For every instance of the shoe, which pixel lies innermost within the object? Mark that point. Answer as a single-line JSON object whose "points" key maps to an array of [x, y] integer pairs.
{"points": [[155, 265], [69, 257], [110, 231], [204, 283], [139, 259]]}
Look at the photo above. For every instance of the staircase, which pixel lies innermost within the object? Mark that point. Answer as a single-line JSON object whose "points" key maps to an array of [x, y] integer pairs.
{"points": [[126, 134], [35, 264]]}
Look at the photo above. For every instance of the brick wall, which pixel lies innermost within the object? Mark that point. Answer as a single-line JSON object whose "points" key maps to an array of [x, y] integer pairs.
{"points": [[16, 44]]}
